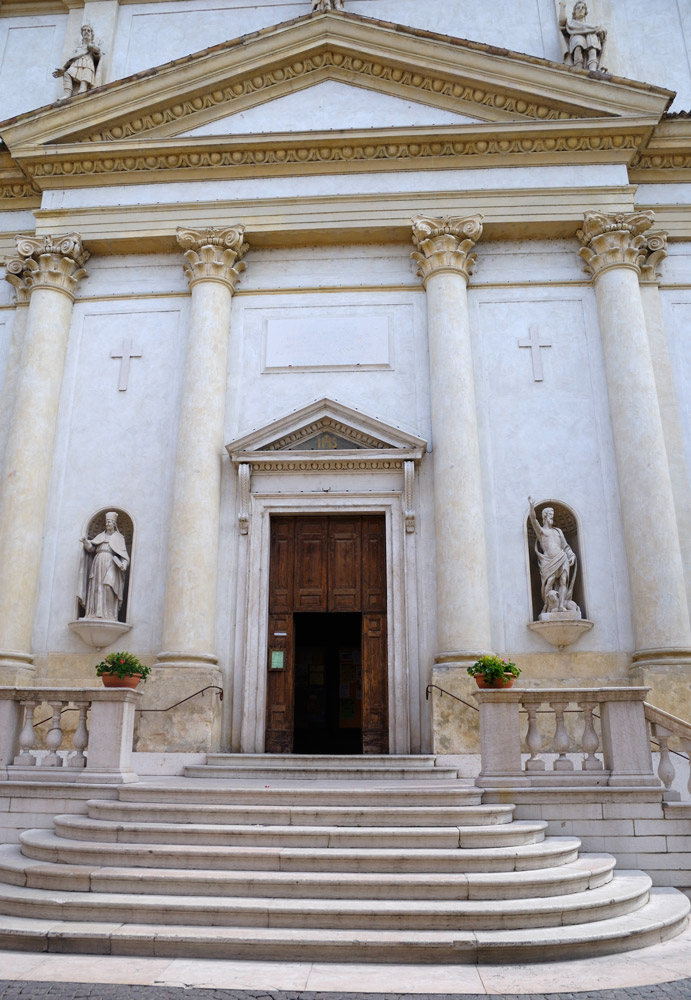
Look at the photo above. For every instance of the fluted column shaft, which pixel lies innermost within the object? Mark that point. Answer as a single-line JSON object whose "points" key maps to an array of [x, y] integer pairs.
{"points": [[463, 619], [213, 266], [614, 249], [51, 270]]}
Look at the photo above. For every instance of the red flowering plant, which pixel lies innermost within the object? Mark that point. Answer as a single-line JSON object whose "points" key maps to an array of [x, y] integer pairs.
{"points": [[122, 665]]}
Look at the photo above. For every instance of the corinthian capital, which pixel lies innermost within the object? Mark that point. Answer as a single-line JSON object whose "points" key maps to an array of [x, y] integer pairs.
{"points": [[214, 254], [48, 262], [614, 240], [655, 253], [445, 245], [17, 275]]}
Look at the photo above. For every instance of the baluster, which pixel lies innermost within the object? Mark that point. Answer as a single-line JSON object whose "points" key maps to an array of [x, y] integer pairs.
{"points": [[80, 739], [561, 741], [589, 741], [665, 771], [533, 740], [686, 747], [27, 737], [54, 737]]}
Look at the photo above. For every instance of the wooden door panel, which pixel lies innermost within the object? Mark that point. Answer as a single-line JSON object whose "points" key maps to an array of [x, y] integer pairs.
{"points": [[373, 564], [375, 719], [281, 571], [280, 685], [311, 560], [345, 564]]}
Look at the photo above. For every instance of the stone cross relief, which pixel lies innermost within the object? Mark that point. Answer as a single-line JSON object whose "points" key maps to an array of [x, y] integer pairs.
{"points": [[534, 343], [125, 354]]}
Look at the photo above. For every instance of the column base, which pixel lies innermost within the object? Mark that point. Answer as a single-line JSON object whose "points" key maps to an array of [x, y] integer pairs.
{"points": [[192, 726], [667, 673], [16, 669]]}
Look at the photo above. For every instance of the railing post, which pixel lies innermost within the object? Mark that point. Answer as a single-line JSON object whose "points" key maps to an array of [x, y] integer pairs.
{"points": [[109, 754], [10, 727], [625, 740], [500, 738]]}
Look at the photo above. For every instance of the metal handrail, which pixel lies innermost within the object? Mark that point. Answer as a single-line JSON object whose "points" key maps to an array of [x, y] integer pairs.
{"points": [[209, 687], [443, 691]]}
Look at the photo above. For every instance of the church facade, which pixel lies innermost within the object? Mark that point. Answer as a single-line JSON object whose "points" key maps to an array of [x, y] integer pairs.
{"points": [[342, 344]]}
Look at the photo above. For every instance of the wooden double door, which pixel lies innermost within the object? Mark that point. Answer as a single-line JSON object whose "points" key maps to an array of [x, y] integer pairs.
{"points": [[327, 656]]}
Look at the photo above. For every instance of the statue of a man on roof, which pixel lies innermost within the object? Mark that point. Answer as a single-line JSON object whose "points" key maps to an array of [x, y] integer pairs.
{"points": [[584, 43], [322, 6], [79, 72]]}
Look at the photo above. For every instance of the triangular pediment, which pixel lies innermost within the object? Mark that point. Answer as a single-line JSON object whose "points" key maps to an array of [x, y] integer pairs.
{"points": [[325, 426], [475, 105]]}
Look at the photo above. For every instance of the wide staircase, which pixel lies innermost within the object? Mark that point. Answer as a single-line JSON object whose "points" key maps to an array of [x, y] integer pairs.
{"points": [[376, 859]]}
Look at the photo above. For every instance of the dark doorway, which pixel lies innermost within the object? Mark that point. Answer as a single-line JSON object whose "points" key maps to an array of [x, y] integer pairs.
{"points": [[328, 683]]}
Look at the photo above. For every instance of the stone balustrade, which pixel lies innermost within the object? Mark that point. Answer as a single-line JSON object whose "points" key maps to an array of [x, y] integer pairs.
{"points": [[610, 733], [665, 727], [102, 740]]}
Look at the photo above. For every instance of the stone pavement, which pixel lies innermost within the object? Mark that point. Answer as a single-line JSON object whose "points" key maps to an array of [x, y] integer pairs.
{"points": [[15, 990]]}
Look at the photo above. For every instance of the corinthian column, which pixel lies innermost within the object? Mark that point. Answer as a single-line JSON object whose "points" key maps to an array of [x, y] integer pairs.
{"points": [[445, 261], [213, 266], [50, 269], [615, 249]]}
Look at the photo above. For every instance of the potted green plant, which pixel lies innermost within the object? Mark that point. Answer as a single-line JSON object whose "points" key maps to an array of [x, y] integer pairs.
{"points": [[121, 670], [493, 672]]}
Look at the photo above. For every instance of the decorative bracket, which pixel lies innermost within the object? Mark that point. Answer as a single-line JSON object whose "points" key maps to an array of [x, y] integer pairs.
{"points": [[244, 472], [409, 495]]}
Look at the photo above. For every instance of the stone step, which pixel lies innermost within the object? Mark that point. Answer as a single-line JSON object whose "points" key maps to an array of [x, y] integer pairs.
{"points": [[44, 845], [626, 893], [279, 761], [321, 772], [664, 915], [447, 837], [281, 792], [287, 815], [587, 872]]}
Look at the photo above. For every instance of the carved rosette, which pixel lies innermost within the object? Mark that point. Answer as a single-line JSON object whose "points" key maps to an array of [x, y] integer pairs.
{"points": [[49, 262], [214, 254], [614, 241], [445, 245]]}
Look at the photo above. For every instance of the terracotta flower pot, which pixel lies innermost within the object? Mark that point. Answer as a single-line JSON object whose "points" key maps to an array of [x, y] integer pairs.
{"points": [[113, 681], [499, 682]]}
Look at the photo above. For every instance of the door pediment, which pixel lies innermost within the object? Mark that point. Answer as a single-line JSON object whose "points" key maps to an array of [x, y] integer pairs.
{"points": [[143, 127], [322, 432]]}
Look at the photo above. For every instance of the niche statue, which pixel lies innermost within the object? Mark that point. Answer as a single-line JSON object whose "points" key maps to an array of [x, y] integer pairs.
{"points": [[79, 72], [102, 570], [584, 43], [557, 564]]}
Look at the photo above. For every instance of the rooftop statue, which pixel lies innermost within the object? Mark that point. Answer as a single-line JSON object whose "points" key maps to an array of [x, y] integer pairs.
{"points": [[321, 6], [584, 43], [79, 72]]}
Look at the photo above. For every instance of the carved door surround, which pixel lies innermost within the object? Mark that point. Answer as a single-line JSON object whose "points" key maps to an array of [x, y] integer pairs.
{"points": [[326, 459]]}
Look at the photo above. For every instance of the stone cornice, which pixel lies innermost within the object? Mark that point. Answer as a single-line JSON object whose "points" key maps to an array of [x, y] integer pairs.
{"points": [[16, 190], [213, 254], [445, 245], [667, 154], [48, 262], [615, 241]]}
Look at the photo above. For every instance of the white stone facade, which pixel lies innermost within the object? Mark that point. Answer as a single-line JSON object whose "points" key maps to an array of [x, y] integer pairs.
{"points": [[325, 137]]}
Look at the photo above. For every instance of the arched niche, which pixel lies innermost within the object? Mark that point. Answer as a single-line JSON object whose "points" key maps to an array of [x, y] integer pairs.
{"points": [[565, 519], [96, 631]]}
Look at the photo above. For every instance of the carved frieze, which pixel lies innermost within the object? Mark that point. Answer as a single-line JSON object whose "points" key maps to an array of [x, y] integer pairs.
{"points": [[51, 262], [214, 254], [445, 245], [614, 240]]}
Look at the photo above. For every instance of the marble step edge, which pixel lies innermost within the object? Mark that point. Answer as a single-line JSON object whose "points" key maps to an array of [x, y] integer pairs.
{"points": [[313, 793], [628, 891], [361, 761], [78, 827], [662, 917], [45, 845], [316, 772], [587, 872], [288, 815]]}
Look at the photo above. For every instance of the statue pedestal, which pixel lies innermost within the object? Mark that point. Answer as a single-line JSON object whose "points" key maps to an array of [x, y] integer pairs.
{"points": [[560, 628], [99, 632]]}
